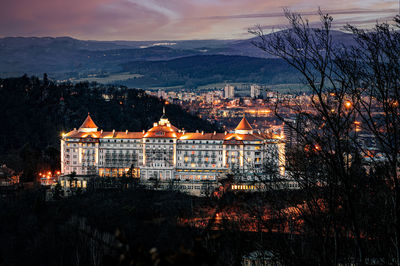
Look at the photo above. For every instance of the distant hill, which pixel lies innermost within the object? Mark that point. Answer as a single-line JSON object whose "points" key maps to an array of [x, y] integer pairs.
{"points": [[247, 48], [65, 58], [195, 71]]}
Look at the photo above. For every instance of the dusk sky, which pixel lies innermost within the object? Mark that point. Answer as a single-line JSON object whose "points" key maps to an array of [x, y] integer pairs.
{"points": [[173, 19]]}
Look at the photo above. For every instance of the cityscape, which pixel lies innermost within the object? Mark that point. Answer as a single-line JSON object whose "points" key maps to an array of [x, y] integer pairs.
{"points": [[187, 133]]}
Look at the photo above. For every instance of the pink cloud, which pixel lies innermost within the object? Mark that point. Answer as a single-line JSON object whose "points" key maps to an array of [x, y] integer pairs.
{"points": [[165, 19]]}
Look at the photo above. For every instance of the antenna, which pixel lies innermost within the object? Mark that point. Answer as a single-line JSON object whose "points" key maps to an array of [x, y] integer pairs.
{"points": [[163, 109]]}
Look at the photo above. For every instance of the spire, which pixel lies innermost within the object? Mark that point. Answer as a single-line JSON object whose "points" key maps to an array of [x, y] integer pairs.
{"points": [[163, 113]]}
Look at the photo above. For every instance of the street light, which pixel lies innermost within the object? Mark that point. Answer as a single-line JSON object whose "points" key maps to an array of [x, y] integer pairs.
{"points": [[348, 104]]}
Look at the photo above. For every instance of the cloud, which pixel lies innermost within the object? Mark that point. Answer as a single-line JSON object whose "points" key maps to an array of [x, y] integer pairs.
{"points": [[168, 19], [307, 13]]}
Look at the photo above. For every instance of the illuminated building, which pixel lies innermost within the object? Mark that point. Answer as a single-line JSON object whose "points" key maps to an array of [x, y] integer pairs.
{"points": [[255, 91], [164, 152], [229, 92]]}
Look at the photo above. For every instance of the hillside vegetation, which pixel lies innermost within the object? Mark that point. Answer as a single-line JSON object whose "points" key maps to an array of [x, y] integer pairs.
{"points": [[35, 113], [195, 71]]}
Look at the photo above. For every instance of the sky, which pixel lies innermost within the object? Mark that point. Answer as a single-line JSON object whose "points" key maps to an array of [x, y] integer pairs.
{"points": [[175, 19]]}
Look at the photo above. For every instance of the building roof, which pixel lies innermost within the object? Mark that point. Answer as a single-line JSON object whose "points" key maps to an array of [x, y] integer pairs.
{"points": [[88, 123], [202, 136], [244, 125], [220, 136], [105, 135], [164, 129], [79, 134], [164, 132]]}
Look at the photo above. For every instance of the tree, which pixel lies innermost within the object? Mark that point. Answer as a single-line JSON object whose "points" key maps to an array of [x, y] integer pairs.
{"points": [[347, 84], [372, 70]]}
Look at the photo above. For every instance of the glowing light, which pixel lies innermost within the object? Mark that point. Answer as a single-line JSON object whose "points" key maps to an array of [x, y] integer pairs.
{"points": [[394, 103], [276, 136], [347, 104]]}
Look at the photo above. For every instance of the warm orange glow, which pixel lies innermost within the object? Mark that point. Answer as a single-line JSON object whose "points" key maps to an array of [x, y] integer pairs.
{"points": [[394, 103], [347, 104], [258, 111], [275, 136]]}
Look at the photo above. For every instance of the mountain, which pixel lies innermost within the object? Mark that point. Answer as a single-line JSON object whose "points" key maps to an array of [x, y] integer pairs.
{"points": [[65, 58], [247, 48], [60, 57]]}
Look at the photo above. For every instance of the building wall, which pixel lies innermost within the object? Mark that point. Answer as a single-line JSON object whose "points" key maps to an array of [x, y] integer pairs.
{"points": [[166, 158], [165, 153]]}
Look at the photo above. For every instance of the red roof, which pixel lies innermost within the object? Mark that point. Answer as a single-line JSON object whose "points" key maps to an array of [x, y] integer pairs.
{"points": [[105, 135], [244, 125], [88, 123], [162, 131]]}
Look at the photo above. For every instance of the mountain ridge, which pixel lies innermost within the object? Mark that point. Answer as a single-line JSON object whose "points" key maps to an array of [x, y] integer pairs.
{"points": [[66, 58]]}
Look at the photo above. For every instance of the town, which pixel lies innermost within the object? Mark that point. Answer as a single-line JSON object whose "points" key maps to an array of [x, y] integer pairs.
{"points": [[199, 133]]}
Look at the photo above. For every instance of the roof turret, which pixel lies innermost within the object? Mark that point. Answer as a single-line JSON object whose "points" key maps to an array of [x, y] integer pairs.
{"points": [[88, 125], [244, 127]]}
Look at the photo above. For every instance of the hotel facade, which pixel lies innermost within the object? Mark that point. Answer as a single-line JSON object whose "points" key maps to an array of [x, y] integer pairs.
{"points": [[166, 153]]}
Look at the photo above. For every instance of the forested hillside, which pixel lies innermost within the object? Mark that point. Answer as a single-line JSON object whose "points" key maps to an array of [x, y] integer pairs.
{"points": [[199, 70], [36, 111]]}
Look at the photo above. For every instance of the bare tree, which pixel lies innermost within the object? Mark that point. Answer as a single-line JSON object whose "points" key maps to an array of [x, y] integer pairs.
{"points": [[346, 84], [372, 70]]}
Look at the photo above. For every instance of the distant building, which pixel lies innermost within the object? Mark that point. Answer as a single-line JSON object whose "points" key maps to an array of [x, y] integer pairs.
{"points": [[255, 91], [229, 92], [162, 94], [290, 132]]}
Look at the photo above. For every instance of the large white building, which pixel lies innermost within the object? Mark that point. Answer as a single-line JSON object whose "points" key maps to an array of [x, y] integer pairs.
{"points": [[255, 91], [229, 92], [165, 152]]}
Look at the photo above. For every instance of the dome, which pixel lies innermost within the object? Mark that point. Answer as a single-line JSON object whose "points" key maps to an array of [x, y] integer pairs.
{"points": [[162, 129]]}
